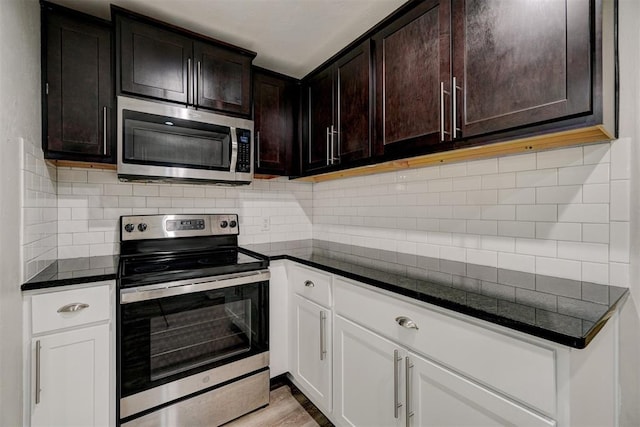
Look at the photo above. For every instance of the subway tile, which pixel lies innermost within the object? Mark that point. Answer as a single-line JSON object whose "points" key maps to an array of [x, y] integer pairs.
{"points": [[560, 268], [595, 193], [467, 212], [453, 254], [537, 247], [498, 243], [118, 189], [621, 158], [589, 213], [102, 177], [466, 183], [517, 228], [536, 212], [517, 196], [597, 153], [451, 198], [588, 174], [520, 162], [559, 194], [502, 213], [619, 274], [440, 185], [595, 272], [593, 252], [518, 279], [495, 290], [559, 231], [595, 233], [453, 225], [484, 258], [482, 197], [453, 170], [465, 240], [145, 190], [82, 189], [619, 242], [482, 167], [560, 157], [483, 227], [538, 178], [132, 202], [72, 175], [501, 180]]}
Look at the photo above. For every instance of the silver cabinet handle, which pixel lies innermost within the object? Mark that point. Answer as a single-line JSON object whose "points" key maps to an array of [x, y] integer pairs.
{"points": [[329, 159], [407, 379], [104, 130], [334, 159], [38, 351], [189, 77], [443, 132], [323, 331], [405, 322], [198, 78], [258, 146], [396, 384], [309, 284], [74, 306], [454, 108]]}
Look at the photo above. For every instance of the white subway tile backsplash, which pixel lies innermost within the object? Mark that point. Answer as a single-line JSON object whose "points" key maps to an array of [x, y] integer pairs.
{"points": [[466, 183], [502, 180], [589, 213], [559, 231], [120, 189], [453, 170], [145, 190], [482, 197], [537, 178], [483, 227], [620, 201], [597, 153], [621, 159], [595, 272], [499, 212], [536, 212], [619, 274], [595, 193], [509, 261], [516, 163], [517, 196], [517, 229], [559, 194], [559, 268], [557, 158], [482, 167], [588, 174], [537, 247], [619, 242], [595, 233], [593, 252]]}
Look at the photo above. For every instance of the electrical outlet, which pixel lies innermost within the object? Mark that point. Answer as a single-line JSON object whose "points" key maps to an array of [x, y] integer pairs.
{"points": [[266, 223]]}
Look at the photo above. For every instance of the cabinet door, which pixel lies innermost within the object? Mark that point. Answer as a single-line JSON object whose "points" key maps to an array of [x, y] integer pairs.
{"points": [[354, 112], [518, 62], [73, 377], [312, 351], [154, 62], [412, 61], [78, 88], [223, 79], [366, 378], [440, 397], [273, 100], [319, 114]]}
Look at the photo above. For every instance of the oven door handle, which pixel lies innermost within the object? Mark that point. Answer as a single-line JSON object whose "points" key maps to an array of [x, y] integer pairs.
{"points": [[169, 289]]}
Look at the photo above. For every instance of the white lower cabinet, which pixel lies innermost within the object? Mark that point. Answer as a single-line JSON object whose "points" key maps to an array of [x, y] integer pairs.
{"points": [[71, 378], [69, 371], [312, 352]]}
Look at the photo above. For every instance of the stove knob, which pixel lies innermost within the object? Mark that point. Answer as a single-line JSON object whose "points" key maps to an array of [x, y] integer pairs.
{"points": [[233, 224], [142, 226], [224, 224], [129, 228]]}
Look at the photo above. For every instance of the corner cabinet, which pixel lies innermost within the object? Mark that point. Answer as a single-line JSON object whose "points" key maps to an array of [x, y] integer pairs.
{"points": [[338, 111], [69, 342], [158, 61], [275, 106], [77, 87]]}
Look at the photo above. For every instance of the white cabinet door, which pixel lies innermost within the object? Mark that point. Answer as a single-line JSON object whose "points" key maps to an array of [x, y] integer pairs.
{"points": [[312, 351], [440, 397], [367, 379], [73, 373]]}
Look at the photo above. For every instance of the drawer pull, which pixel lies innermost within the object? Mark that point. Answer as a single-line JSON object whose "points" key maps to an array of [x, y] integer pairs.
{"points": [[405, 322], [74, 306], [309, 284]]}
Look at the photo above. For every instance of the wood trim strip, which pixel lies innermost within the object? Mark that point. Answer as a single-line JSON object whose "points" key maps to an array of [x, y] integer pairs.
{"points": [[586, 135]]}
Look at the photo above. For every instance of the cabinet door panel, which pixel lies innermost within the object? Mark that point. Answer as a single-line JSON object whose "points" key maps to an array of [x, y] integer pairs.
{"points": [[274, 123], [412, 59], [353, 88], [78, 75], [440, 397], [311, 370], [74, 379], [364, 377], [319, 110], [154, 62], [519, 63], [223, 79]]}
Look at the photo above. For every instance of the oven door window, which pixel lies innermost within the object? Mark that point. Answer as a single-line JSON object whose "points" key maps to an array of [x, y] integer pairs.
{"points": [[155, 140], [169, 338]]}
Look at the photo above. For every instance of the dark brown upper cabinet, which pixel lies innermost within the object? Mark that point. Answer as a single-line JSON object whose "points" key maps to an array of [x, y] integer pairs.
{"points": [[77, 86], [516, 64], [413, 80], [164, 62], [338, 111], [275, 106]]}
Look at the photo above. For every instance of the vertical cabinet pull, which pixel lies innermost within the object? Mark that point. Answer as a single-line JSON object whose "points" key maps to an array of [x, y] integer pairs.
{"points": [[38, 351], [198, 79], [323, 332], [258, 146], [407, 378], [396, 384], [104, 130], [329, 159], [335, 155], [443, 131], [189, 77], [454, 108]]}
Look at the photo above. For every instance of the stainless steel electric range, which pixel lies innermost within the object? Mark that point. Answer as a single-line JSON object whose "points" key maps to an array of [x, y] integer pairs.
{"points": [[193, 313]]}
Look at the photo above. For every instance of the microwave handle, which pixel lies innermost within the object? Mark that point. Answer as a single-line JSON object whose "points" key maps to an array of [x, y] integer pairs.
{"points": [[234, 149]]}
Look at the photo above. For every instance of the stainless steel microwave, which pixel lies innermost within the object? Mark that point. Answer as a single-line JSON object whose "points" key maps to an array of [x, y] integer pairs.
{"points": [[161, 142]]}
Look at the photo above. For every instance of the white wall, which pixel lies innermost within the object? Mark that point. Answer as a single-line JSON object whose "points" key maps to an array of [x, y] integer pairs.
{"points": [[20, 112]]}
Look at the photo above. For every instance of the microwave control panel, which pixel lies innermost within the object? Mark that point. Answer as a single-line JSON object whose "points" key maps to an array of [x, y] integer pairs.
{"points": [[244, 150]]}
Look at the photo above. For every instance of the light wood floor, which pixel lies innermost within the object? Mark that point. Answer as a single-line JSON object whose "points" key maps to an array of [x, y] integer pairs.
{"points": [[283, 410]]}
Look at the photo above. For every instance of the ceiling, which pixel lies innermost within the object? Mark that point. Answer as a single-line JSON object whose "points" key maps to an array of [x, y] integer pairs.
{"points": [[290, 36]]}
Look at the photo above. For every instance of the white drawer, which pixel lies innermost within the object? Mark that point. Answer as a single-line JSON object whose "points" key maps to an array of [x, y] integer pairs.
{"points": [[45, 315], [311, 284], [519, 369]]}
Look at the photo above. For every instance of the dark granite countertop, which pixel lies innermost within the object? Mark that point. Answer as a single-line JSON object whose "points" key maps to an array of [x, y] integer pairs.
{"points": [[564, 311], [74, 271]]}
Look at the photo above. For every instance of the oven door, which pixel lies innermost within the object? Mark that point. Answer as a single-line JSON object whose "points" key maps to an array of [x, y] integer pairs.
{"points": [[176, 339]]}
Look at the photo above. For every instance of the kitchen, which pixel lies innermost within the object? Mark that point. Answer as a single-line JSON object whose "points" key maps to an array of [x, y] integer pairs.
{"points": [[281, 210]]}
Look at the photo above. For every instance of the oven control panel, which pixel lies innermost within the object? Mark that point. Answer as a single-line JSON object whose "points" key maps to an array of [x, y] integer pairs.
{"points": [[140, 227]]}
